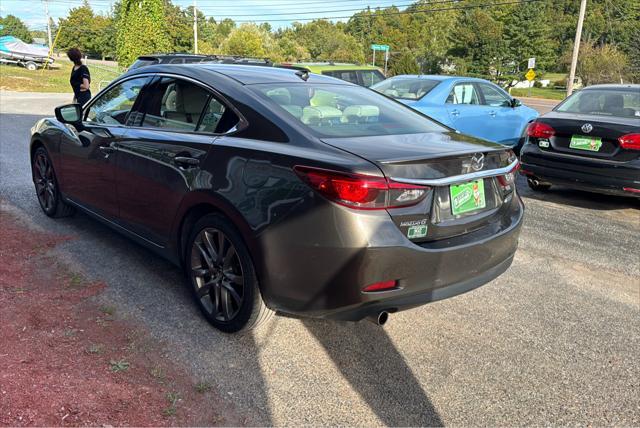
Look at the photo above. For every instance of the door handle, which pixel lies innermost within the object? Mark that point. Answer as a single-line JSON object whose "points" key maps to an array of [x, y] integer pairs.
{"points": [[186, 161], [492, 113], [455, 113], [107, 150]]}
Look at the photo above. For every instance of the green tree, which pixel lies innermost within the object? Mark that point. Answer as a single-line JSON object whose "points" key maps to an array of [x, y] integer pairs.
{"points": [[404, 63], [13, 26], [250, 40], [324, 40], [93, 34], [141, 30], [600, 64]]}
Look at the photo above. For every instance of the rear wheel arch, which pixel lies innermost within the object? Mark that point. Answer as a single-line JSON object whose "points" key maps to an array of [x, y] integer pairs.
{"points": [[192, 212]]}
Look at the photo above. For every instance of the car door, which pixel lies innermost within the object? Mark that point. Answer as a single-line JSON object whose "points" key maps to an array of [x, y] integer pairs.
{"points": [[465, 110], [88, 156], [160, 160], [504, 121]]}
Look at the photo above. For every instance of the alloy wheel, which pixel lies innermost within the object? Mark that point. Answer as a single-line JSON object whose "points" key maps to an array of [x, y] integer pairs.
{"points": [[45, 182], [217, 274]]}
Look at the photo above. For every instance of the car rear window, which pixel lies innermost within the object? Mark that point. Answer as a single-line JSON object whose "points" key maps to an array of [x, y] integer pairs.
{"points": [[603, 102], [406, 89], [345, 110]]}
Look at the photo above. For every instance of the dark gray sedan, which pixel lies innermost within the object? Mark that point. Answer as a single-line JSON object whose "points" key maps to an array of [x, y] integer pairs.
{"points": [[283, 191]]}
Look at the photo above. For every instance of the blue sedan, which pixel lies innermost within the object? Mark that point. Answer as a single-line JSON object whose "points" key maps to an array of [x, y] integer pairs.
{"points": [[472, 106]]}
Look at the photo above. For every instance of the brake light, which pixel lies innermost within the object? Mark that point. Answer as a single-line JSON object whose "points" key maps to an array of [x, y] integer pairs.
{"points": [[361, 191], [380, 286], [540, 130], [630, 141]]}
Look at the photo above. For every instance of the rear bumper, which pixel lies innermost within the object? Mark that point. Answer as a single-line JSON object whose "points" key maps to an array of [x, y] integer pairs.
{"points": [[326, 282], [581, 173]]}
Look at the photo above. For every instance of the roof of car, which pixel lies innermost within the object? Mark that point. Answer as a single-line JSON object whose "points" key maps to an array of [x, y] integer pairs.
{"points": [[613, 86], [244, 74], [440, 77]]}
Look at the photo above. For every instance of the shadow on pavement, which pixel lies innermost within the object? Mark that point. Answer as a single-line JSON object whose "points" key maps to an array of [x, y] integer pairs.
{"points": [[377, 371]]}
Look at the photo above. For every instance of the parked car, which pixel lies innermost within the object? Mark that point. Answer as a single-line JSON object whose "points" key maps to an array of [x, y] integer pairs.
{"points": [[185, 58], [278, 190], [472, 106], [590, 141], [363, 75]]}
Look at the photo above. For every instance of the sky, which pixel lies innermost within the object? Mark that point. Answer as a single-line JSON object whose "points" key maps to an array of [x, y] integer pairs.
{"points": [[279, 13]]}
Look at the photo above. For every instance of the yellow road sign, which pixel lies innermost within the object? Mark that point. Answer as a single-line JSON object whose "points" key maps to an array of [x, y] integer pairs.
{"points": [[530, 75]]}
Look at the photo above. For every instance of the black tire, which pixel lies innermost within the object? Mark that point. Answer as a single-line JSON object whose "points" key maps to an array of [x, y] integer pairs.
{"points": [[215, 276], [31, 66], [46, 184], [538, 186]]}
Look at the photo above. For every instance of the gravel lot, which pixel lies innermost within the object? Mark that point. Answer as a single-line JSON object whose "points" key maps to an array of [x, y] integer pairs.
{"points": [[555, 340]]}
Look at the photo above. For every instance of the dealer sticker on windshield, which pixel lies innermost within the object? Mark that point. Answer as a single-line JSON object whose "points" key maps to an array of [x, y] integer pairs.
{"points": [[467, 197], [581, 142]]}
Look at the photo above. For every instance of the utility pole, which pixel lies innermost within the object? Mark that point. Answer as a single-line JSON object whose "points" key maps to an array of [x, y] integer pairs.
{"points": [[195, 27], [46, 12], [576, 47]]}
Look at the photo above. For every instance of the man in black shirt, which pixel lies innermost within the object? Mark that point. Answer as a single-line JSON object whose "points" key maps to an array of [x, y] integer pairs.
{"points": [[80, 77]]}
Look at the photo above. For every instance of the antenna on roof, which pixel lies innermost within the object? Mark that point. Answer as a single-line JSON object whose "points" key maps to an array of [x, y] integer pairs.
{"points": [[303, 74]]}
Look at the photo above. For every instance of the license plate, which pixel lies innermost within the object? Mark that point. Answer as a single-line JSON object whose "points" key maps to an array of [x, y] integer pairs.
{"points": [[581, 142], [467, 197]]}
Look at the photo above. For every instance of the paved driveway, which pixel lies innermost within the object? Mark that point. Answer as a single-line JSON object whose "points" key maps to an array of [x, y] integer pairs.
{"points": [[555, 340]]}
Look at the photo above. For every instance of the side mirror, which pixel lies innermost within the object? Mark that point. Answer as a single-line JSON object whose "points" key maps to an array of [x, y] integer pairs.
{"points": [[515, 102], [69, 113]]}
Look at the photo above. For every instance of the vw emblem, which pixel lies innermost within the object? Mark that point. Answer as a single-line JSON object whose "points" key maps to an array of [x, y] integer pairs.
{"points": [[586, 128], [477, 161]]}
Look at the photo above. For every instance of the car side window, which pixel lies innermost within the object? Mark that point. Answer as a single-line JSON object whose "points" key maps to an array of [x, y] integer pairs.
{"points": [[175, 105], [493, 96], [370, 77], [464, 93], [113, 107], [349, 76]]}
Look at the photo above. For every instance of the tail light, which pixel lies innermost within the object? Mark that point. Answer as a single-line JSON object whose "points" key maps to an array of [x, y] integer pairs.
{"points": [[507, 180], [540, 130], [630, 141], [361, 191]]}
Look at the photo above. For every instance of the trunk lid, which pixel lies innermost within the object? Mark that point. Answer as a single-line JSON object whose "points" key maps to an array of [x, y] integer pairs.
{"points": [[440, 161], [605, 129]]}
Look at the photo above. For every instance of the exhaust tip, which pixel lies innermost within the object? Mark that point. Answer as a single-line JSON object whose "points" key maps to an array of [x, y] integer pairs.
{"points": [[380, 319]]}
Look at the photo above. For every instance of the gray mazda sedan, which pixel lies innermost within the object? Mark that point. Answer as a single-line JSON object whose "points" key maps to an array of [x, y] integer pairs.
{"points": [[282, 191]]}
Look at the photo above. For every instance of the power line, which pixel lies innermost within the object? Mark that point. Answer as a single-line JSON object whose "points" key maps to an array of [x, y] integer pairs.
{"points": [[341, 10], [405, 12]]}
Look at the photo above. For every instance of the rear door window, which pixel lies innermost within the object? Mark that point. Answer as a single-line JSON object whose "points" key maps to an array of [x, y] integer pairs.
{"points": [[464, 93], [180, 105], [349, 76]]}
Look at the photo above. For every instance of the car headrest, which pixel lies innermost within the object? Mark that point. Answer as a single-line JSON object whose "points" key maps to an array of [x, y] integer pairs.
{"points": [[190, 99], [280, 96], [613, 101]]}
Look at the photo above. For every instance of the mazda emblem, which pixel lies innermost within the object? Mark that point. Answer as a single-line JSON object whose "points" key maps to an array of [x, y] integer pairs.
{"points": [[477, 161], [586, 128]]}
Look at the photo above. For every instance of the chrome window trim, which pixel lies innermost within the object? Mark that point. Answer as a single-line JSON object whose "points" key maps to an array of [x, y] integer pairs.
{"points": [[241, 125], [456, 179]]}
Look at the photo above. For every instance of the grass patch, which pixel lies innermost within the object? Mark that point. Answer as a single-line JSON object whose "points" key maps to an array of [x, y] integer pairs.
{"points": [[548, 93], [173, 398], [15, 78], [94, 349], [119, 365], [108, 310], [202, 387]]}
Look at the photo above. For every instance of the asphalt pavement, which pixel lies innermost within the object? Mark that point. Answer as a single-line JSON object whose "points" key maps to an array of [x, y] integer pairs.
{"points": [[555, 340]]}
